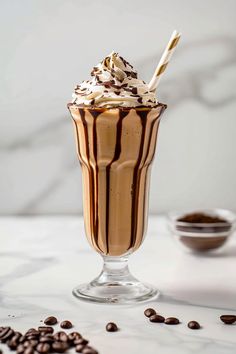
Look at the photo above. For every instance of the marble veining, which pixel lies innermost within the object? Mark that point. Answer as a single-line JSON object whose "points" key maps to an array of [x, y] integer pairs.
{"points": [[42, 258]]}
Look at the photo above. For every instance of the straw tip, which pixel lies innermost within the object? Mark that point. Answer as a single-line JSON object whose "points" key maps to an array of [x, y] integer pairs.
{"points": [[177, 33]]}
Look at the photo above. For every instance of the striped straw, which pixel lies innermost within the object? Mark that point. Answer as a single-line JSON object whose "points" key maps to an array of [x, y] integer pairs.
{"points": [[167, 54]]}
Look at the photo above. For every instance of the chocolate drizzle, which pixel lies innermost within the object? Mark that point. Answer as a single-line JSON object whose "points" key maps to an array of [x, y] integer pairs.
{"points": [[95, 115], [87, 163], [136, 179], [122, 115]]}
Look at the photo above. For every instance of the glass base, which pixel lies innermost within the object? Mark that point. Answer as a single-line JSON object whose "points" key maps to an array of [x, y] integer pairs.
{"points": [[115, 285]]}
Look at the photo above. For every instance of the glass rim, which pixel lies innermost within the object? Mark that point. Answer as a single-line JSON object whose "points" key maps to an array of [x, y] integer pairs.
{"points": [[103, 109]]}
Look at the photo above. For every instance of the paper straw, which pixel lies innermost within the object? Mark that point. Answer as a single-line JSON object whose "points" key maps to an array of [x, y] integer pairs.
{"points": [[167, 54]]}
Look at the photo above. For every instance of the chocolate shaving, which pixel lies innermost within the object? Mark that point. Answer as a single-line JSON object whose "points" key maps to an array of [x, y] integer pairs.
{"points": [[140, 100]]}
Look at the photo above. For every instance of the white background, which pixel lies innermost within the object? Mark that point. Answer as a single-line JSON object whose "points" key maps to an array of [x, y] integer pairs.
{"points": [[49, 46]]}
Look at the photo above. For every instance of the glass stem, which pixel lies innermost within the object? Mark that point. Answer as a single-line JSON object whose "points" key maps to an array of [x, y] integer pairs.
{"points": [[115, 269]]}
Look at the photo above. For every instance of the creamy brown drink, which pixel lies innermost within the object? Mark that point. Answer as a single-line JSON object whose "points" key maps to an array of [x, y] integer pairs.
{"points": [[115, 148], [116, 121]]}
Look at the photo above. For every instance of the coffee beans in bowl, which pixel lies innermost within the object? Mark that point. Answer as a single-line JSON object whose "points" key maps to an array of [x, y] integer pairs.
{"points": [[202, 231]]}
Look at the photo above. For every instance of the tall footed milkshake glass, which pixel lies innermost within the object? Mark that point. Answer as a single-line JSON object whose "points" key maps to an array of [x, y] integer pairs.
{"points": [[115, 147]]}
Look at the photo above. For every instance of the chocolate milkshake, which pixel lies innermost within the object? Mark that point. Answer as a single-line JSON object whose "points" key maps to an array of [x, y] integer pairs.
{"points": [[116, 119]]}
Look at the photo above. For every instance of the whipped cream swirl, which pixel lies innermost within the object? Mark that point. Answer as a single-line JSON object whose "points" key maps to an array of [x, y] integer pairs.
{"points": [[114, 83]]}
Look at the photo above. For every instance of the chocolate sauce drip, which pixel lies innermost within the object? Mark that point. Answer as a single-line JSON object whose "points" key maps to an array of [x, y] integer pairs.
{"points": [[95, 115], [155, 121], [87, 163], [136, 178], [122, 115]]}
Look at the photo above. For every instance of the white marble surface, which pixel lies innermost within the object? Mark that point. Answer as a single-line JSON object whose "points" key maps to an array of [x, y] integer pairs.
{"points": [[43, 258], [49, 46]]}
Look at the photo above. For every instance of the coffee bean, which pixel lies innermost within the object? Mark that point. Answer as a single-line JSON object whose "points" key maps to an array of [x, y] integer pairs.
{"points": [[1, 351], [61, 336], [66, 324], [32, 333], [6, 334], [48, 338], [30, 343], [81, 341], [111, 327], [149, 312], [89, 350], [73, 336], [228, 319], [20, 349], [193, 325], [50, 321], [171, 321], [23, 339], [45, 329], [29, 350], [32, 337], [59, 347], [12, 344], [79, 348], [157, 319], [14, 341], [43, 348], [4, 331]]}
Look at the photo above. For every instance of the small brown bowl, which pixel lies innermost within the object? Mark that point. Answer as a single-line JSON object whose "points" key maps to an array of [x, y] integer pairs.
{"points": [[202, 236]]}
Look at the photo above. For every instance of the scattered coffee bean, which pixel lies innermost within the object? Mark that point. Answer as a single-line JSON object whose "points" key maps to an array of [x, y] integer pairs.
{"points": [[59, 347], [171, 321], [32, 334], [31, 331], [194, 325], [61, 336], [17, 335], [66, 324], [156, 318], [228, 319], [20, 349], [79, 348], [50, 321], [7, 334], [4, 331], [30, 343], [89, 350], [14, 341], [111, 327], [74, 336], [45, 329], [23, 339], [43, 348], [48, 338], [149, 312], [81, 341], [29, 350], [12, 344]]}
